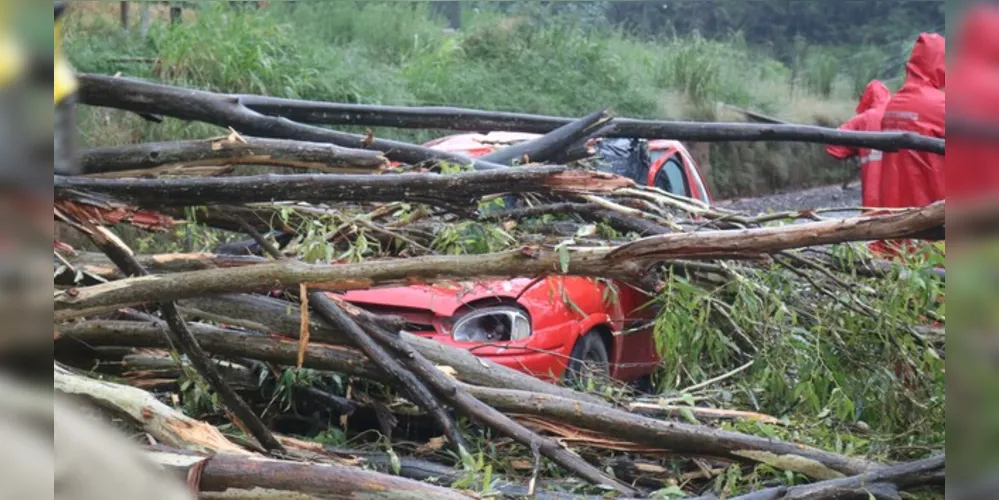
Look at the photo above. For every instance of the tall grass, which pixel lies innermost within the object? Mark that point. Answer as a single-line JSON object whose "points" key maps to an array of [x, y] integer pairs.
{"points": [[396, 53]]}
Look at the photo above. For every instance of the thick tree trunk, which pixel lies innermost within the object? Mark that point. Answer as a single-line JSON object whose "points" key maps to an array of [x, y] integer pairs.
{"points": [[157, 157], [228, 111], [630, 262], [460, 189], [327, 113]]}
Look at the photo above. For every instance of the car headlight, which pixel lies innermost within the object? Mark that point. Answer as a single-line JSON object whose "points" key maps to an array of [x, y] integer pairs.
{"points": [[492, 324]]}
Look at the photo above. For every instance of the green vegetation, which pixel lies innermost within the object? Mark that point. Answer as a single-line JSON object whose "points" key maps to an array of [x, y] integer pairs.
{"points": [[834, 352], [399, 54]]}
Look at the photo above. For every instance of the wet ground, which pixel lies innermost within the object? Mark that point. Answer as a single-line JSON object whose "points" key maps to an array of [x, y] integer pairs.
{"points": [[832, 196]]}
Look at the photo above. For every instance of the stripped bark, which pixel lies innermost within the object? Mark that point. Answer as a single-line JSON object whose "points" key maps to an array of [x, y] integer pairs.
{"points": [[143, 409], [228, 111], [233, 150], [462, 189], [327, 113], [627, 262]]}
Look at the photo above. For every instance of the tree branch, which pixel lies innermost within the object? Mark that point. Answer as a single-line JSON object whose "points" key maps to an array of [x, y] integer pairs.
{"points": [[327, 113], [134, 158], [627, 262]]}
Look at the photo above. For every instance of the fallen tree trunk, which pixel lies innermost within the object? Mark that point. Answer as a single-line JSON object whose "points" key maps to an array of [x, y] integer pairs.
{"points": [[99, 265], [461, 189], [901, 477], [629, 262], [228, 111], [327, 113], [240, 476], [223, 151], [682, 438]]}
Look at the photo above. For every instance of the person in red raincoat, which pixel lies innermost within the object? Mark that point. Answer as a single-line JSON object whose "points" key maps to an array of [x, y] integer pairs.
{"points": [[868, 119], [912, 178], [973, 162]]}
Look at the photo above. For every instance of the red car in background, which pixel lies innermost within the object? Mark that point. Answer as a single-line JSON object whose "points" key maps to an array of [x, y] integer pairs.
{"points": [[545, 325]]}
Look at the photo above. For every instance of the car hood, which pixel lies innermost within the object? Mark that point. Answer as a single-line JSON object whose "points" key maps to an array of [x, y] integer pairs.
{"points": [[443, 299]]}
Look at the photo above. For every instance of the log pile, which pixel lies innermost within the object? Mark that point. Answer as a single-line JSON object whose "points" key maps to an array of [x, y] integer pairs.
{"points": [[232, 336]]}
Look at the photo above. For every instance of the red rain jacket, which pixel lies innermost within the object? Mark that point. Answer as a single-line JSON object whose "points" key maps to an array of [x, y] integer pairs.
{"points": [[916, 178], [868, 119], [973, 164]]}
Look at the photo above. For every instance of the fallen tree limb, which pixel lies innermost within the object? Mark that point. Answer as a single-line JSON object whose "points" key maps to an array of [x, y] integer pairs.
{"points": [[141, 408], [99, 265], [327, 113], [675, 436], [549, 146], [461, 189], [682, 438], [228, 111], [901, 477], [224, 151], [627, 262], [241, 476]]}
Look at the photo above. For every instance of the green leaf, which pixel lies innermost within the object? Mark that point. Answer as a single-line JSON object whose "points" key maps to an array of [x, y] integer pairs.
{"points": [[688, 415], [394, 459], [563, 257]]}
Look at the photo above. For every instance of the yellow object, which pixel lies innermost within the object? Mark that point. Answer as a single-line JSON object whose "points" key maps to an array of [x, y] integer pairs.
{"points": [[65, 81], [12, 59]]}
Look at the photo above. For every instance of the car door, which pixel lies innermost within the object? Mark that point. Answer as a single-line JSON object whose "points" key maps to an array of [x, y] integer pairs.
{"points": [[673, 171]]}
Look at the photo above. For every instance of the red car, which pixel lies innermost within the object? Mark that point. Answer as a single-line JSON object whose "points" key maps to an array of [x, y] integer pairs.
{"points": [[542, 326]]}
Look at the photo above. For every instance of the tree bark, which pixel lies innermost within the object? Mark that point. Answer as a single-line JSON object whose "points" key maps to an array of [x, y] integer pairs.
{"points": [[224, 151], [629, 262], [228, 111], [327, 113], [462, 189], [256, 477]]}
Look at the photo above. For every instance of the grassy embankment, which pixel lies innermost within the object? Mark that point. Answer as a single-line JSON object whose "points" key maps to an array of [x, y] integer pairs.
{"points": [[396, 54]]}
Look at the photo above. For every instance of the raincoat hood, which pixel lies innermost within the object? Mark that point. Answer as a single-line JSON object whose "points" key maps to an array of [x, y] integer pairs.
{"points": [[875, 94], [927, 64], [979, 39]]}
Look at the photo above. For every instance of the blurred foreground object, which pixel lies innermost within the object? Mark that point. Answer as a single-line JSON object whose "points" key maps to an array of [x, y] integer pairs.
{"points": [[91, 461]]}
